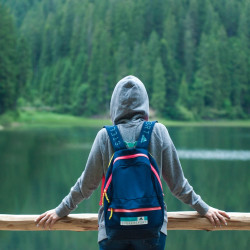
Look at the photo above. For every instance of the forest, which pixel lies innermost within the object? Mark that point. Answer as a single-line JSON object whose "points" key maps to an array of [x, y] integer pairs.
{"points": [[67, 55]]}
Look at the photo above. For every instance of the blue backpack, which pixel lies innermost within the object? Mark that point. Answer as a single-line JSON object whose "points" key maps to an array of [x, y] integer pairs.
{"points": [[132, 193]]}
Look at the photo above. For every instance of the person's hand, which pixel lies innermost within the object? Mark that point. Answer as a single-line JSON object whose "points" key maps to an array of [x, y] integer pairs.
{"points": [[47, 219], [216, 216]]}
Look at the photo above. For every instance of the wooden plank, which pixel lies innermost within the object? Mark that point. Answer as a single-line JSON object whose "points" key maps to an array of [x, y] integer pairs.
{"points": [[193, 221], [73, 222], [88, 222]]}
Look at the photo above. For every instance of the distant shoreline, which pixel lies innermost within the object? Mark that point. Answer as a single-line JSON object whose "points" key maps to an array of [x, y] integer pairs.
{"points": [[41, 118]]}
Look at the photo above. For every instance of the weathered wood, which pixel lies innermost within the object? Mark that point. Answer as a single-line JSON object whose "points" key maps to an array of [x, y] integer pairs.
{"points": [[193, 221], [73, 222], [88, 222]]}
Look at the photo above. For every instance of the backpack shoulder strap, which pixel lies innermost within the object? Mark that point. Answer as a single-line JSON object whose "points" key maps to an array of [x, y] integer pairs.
{"points": [[145, 134], [115, 138]]}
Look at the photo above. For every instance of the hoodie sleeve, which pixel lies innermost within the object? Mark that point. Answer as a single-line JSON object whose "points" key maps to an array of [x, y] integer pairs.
{"points": [[87, 182], [173, 174]]}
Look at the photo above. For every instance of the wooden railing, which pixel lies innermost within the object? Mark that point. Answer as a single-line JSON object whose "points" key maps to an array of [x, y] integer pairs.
{"points": [[88, 222]]}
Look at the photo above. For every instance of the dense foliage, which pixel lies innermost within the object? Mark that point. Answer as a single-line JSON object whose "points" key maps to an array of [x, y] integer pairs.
{"points": [[193, 56], [14, 71]]}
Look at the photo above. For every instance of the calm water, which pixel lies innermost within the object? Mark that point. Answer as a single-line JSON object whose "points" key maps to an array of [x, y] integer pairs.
{"points": [[39, 165]]}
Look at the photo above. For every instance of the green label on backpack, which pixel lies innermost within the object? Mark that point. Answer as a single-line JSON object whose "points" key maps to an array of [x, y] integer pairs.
{"points": [[131, 221]]}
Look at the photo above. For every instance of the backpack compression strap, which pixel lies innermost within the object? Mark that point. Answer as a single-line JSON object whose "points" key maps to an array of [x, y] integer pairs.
{"points": [[115, 138], [145, 134], [117, 143]]}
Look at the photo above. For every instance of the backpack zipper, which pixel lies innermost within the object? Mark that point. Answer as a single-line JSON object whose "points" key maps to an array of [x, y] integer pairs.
{"points": [[119, 210]]}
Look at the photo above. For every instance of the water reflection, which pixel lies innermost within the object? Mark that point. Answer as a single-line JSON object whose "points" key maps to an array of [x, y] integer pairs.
{"points": [[217, 154], [241, 155], [39, 165]]}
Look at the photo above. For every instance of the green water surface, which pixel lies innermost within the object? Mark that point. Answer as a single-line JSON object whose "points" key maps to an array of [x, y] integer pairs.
{"points": [[39, 165]]}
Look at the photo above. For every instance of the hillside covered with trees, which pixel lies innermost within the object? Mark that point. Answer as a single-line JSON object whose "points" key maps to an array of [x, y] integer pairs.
{"points": [[193, 56]]}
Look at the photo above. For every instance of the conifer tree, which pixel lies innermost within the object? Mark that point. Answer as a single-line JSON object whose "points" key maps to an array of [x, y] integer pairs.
{"points": [[146, 69], [106, 69], [169, 51], [153, 51], [64, 86], [8, 67], [159, 88], [93, 74], [183, 98], [24, 69], [122, 57], [244, 56], [189, 42]]}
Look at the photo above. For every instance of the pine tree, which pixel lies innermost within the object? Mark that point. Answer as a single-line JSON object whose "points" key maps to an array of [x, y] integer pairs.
{"points": [[137, 28], [107, 63], [64, 87], [137, 60], [159, 88], [183, 98], [206, 60], [66, 28], [190, 41], [169, 51], [243, 59], [146, 69], [80, 101], [122, 57], [47, 53], [153, 51], [24, 70], [93, 74], [8, 67], [197, 100]]}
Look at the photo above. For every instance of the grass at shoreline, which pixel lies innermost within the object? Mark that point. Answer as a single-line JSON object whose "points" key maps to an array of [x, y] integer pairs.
{"points": [[36, 118], [32, 118]]}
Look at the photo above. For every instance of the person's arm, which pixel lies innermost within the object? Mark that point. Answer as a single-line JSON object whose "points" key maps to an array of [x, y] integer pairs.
{"points": [[83, 188], [173, 175]]}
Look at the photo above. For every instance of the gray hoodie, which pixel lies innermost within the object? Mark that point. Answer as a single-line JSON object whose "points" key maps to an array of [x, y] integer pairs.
{"points": [[129, 108]]}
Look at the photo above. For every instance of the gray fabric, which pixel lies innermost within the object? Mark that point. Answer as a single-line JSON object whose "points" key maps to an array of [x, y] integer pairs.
{"points": [[129, 101], [131, 93]]}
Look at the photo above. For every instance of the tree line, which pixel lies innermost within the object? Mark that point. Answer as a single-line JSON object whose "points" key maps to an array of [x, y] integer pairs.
{"points": [[193, 56]]}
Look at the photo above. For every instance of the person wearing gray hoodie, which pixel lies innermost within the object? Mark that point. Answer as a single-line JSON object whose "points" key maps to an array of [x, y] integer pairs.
{"points": [[129, 108]]}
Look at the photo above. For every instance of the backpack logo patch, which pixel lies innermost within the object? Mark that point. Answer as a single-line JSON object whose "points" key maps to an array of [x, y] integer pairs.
{"points": [[131, 221], [143, 139]]}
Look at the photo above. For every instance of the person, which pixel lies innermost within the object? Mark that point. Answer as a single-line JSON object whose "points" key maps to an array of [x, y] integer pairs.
{"points": [[129, 108]]}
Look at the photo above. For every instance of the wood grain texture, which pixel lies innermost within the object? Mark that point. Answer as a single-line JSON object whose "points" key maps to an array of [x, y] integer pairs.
{"points": [[88, 222]]}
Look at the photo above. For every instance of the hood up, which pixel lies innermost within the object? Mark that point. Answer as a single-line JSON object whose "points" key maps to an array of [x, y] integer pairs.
{"points": [[129, 101]]}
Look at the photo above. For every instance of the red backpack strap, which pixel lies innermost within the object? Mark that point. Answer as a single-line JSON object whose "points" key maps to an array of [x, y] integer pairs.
{"points": [[103, 182]]}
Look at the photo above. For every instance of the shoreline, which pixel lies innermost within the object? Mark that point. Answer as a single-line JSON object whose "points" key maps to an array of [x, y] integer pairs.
{"points": [[49, 119]]}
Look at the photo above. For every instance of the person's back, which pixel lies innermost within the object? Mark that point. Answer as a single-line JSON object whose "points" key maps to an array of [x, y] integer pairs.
{"points": [[129, 108]]}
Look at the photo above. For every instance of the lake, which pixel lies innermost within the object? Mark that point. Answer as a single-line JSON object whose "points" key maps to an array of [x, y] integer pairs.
{"points": [[40, 164]]}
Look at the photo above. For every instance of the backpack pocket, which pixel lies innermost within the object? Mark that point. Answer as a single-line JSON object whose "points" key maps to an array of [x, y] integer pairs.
{"points": [[133, 223]]}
